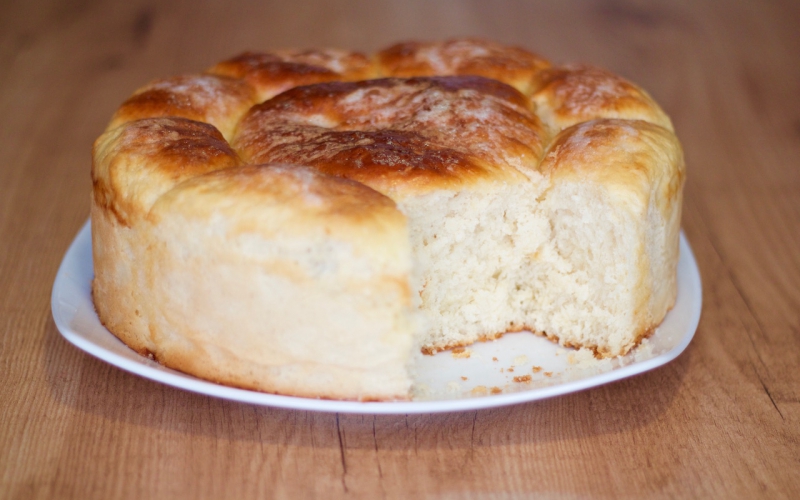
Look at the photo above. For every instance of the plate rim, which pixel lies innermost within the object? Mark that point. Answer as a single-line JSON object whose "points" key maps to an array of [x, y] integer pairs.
{"points": [[190, 383]]}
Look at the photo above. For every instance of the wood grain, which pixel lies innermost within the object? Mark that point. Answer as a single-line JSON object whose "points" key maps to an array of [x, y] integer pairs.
{"points": [[721, 421]]}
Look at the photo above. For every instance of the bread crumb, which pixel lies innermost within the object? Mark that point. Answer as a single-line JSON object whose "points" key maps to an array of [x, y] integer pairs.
{"points": [[520, 360], [494, 359], [537, 369], [644, 351], [421, 390], [453, 388], [523, 378], [582, 357], [464, 378], [548, 374], [479, 390], [511, 369], [496, 390], [460, 352]]}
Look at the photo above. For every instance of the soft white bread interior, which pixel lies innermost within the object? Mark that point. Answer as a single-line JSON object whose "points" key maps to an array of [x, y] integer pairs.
{"points": [[606, 276]]}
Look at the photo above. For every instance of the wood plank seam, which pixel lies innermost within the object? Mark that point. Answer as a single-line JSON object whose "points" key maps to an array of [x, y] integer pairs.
{"points": [[770, 396], [472, 437], [341, 453], [378, 459], [715, 246]]}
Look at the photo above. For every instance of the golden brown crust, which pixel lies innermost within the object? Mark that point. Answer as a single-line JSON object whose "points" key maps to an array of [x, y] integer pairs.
{"points": [[463, 56], [632, 155], [280, 200], [218, 100], [398, 135], [573, 94], [136, 162], [270, 73]]}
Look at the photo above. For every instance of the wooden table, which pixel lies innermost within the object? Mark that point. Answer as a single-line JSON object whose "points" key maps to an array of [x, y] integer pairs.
{"points": [[723, 420]]}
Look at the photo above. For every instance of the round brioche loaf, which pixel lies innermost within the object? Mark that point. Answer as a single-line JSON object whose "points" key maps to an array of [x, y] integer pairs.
{"points": [[299, 222]]}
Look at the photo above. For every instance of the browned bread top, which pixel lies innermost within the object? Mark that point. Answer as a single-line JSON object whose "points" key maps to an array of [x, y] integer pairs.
{"points": [[399, 136], [462, 56], [270, 73], [135, 164], [491, 117]]}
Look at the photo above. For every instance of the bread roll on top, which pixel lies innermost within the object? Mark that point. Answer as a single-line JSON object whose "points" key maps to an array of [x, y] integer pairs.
{"points": [[464, 56], [136, 163], [399, 136], [217, 100], [270, 73], [567, 95]]}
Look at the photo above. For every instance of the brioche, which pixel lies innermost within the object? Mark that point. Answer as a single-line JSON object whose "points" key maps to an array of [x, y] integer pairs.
{"points": [[299, 222]]}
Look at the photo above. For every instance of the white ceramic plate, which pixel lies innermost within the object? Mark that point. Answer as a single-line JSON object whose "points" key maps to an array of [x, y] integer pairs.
{"points": [[480, 377]]}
